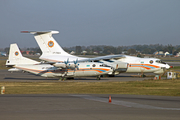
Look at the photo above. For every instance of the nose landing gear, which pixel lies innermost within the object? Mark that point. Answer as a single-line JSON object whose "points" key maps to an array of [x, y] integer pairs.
{"points": [[99, 77]]}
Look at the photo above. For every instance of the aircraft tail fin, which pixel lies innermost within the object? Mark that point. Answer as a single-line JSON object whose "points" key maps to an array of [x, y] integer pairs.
{"points": [[15, 57], [47, 43]]}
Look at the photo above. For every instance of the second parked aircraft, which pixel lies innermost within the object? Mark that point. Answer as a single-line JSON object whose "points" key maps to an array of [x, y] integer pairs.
{"points": [[52, 52], [66, 70]]}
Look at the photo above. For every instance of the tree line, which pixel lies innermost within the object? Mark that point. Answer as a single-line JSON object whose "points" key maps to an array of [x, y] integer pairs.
{"points": [[106, 50], [133, 49]]}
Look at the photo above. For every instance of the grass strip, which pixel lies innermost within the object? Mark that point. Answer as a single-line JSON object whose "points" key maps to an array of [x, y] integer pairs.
{"points": [[2, 65], [146, 87]]}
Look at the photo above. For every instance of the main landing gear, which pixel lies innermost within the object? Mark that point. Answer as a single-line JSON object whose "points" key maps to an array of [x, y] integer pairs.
{"points": [[62, 78], [142, 75], [99, 77]]}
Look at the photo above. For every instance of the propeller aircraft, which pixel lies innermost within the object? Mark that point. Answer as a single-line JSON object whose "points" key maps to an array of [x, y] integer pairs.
{"points": [[59, 70], [52, 52]]}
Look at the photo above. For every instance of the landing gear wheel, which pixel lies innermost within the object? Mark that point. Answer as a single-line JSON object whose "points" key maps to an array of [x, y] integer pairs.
{"points": [[98, 77], [111, 75], [60, 79], [143, 75]]}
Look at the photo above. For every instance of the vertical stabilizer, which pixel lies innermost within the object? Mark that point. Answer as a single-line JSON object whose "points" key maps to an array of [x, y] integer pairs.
{"points": [[47, 43], [15, 57]]}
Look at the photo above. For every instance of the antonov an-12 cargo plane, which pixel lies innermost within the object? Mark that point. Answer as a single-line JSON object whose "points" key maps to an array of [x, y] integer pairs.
{"points": [[63, 71], [52, 52]]}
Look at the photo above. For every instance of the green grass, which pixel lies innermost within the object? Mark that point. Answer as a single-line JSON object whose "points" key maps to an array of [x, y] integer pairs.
{"points": [[175, 68], [147, 87], [2, 65]]}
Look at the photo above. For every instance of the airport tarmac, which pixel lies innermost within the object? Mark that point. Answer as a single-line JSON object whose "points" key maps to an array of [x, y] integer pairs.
{"points": [[20, 76], [86, 106]]}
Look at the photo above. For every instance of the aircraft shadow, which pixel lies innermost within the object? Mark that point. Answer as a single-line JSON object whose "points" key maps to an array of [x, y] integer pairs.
{"points": [[12, 78]]}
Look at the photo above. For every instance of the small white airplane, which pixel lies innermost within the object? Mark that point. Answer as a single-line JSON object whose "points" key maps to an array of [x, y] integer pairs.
{"points": [[3, 54], [62, 71], [52, 52]]}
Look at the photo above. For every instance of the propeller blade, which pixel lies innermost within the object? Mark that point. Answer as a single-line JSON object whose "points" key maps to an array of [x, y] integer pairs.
{"points": [[66, 62], [75, 63]]}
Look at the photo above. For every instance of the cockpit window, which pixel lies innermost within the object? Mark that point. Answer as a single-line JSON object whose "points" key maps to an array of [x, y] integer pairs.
{"points": [[104, 65], [159, 61]]}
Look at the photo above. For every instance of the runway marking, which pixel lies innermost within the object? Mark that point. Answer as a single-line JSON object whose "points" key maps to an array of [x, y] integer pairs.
{"points": [[123, 103]]}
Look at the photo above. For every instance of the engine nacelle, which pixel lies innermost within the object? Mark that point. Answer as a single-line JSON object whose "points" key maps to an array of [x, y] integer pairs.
{"points": [[61, 65], [14, 70], [121, 66]]}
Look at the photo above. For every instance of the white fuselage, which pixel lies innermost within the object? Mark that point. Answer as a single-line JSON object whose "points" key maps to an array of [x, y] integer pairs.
{"points": [[145, 65], [83, 69], [135, 64], [53, 52]]}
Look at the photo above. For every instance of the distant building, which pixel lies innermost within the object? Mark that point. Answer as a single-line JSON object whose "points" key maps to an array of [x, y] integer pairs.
{"points": [[178, 54], [167, 54], [27, 52], [84, 52], [72, 52], [124, 52], [95, 53], [158, 53]]}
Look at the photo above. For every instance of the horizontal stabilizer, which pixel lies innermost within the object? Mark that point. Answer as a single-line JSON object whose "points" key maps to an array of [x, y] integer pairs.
{"points": [[40, 32], [14, 70]]}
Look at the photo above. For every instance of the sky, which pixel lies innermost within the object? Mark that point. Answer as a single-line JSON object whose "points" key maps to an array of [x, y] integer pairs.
{"points": [[91, 22]]}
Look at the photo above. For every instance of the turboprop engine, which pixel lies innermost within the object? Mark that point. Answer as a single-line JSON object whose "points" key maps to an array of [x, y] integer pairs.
{"points": [[63, 65], [117, 65], [67, 64], [60, 65]]}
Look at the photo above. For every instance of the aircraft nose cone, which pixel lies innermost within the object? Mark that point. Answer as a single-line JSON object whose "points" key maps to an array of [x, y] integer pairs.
{"points": [[167, 66], [111, 69]]}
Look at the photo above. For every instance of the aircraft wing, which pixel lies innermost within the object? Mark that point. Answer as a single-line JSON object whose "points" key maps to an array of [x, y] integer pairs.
{"points": [[108, 57], [71, 63]]}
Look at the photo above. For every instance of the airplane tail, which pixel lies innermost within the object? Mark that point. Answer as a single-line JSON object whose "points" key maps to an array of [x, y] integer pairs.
{"points": [[47, 43], [15, 57]]}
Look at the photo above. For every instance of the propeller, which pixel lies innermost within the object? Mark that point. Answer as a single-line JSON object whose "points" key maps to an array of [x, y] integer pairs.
{"points": [[66, 62], [76, 65]]}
